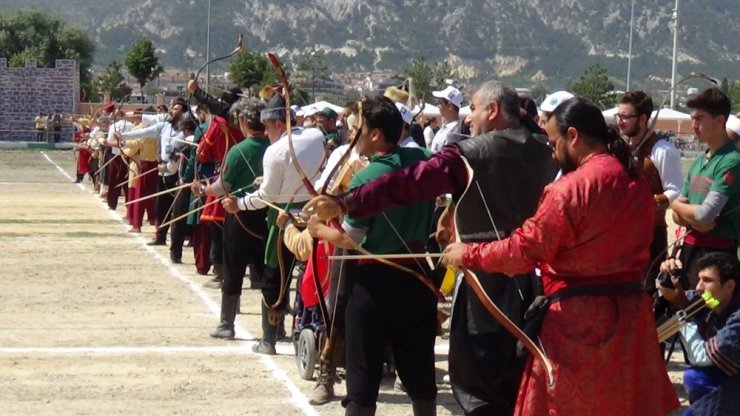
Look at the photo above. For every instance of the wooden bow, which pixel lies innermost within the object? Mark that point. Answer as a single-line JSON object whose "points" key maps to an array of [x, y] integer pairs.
{"points": [[472, 280]]}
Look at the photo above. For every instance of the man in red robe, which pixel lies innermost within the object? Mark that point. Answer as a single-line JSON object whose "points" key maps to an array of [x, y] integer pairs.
{"points": [[590, 238]]}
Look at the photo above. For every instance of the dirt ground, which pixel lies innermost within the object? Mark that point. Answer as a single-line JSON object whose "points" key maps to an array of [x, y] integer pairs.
{"points": [[93, 321]]}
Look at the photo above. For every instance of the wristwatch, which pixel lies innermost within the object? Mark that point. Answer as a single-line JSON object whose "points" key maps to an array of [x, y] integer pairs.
{"points": [[202, 189]]}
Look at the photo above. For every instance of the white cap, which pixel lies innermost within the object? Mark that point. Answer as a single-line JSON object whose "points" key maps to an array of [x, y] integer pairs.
{"points": [[552, 101], [405, 113], [450, 94], [733, 123]]}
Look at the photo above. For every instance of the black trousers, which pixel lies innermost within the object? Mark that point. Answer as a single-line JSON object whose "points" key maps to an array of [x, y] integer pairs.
{"points": [[217, 243], [388, 307], [271, 280], [484, 369], [240, 248], [180, 229], [163, 204]]}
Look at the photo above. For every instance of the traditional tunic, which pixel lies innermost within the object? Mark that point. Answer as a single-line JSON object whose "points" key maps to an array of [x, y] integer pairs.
{"points": [[593, 227]]}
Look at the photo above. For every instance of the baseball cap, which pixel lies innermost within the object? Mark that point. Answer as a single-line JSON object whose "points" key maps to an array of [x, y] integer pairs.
{"points": [[733, 123], [450, 94], [552, 101], [405, 113]]}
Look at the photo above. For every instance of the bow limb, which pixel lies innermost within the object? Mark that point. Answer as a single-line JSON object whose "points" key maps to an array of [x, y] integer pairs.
{"points": [[472, 280], [306, 184]]}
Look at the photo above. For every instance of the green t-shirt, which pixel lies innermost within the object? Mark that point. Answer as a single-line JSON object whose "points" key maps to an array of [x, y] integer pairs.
{"points": [[411, 223], [721, 173], [243, 164]]}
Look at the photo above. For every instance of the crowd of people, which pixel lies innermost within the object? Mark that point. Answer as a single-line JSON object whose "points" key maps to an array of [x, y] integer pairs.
{"points": [[553, 219]]}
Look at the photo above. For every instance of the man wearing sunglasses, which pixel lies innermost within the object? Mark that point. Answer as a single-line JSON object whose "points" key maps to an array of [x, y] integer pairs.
{"points": [[660, 163]]}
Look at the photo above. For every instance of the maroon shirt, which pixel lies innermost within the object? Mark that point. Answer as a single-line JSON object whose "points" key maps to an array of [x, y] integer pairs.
{"points": [[443, 173]]}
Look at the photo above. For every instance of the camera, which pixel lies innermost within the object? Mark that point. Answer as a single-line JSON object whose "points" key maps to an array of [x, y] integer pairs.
{"points": [[664, 279]]}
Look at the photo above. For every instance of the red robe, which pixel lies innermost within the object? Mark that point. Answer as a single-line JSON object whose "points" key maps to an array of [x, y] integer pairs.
{"points": [[83, 155], [592, 226], [216, 142]]}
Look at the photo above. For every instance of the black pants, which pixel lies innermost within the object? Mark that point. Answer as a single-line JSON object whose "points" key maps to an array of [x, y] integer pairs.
{"points": [[484, 369], [271, 280], [217, 243], [163, 204], [388, 307], [180, 229], [241, 248]]}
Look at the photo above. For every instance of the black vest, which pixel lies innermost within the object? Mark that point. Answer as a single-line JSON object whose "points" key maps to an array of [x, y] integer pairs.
{"points": [[510, 170]]}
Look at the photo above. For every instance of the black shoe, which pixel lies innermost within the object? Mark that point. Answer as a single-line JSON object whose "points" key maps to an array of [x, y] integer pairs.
{"points": [[175, 259], [156, 243]]}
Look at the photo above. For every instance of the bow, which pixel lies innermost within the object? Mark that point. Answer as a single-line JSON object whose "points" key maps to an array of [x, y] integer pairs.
{"points": [[472, 280]]}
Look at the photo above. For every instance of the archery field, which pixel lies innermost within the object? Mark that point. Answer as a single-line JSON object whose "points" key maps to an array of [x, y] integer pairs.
{"points": [[93, 321]]}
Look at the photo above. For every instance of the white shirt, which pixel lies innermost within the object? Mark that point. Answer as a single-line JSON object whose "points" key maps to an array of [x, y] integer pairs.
{"points": [[440, 139], [428, 136], [165, 132], [281, 182], [120, 126], [332, 162], [667, 161], [408, 142]]}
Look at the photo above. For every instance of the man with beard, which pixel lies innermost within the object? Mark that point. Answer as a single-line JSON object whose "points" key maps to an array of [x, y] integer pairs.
{"points": [[590, 238], [658, 161], [496, 178]]}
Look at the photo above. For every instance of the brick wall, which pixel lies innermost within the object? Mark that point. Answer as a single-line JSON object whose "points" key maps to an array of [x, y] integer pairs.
{"points": [[24, 92]]}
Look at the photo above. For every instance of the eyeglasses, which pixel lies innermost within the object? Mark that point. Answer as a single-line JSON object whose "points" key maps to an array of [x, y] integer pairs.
{"points": [[623, 117]]}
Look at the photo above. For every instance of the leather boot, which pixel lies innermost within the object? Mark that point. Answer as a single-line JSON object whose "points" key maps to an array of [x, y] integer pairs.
{"points": [[323, 391], [354, 409], [424, 407], [225, 329], [269, 334], [80, 176]]}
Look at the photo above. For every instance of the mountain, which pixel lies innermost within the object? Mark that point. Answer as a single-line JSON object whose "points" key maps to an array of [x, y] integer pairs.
{"points": [[548, 41]]}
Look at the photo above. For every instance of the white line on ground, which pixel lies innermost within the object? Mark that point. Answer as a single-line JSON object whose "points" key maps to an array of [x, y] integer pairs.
{"points": [[297, 398]]}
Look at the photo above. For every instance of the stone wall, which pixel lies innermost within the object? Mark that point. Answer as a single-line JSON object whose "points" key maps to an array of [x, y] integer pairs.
{"points": [[24, 92]]}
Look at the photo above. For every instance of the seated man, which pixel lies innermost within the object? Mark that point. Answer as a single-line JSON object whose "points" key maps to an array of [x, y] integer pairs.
{"points": [[711, 338]]}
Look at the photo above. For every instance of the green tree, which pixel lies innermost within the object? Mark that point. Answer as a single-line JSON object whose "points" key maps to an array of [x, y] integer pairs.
{"points": [[596, 86], [37, 34], [111, 82], [724, 86], [442, 72], [142, 64], [422, 73], [252, 69], [734, 94], [312, 66]]}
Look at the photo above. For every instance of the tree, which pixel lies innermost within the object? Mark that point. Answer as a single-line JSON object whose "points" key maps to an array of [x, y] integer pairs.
{"points": [[422, 73], [734, 94], [312, 66], [142, 64], [36, 34], [724, 86], [112, 82], [596, 86], [443, 71], [252, 69]]}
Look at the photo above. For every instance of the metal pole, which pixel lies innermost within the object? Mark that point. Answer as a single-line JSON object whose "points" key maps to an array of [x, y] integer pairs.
{"points": [[675, 48], [629, 53], [208, 48]]}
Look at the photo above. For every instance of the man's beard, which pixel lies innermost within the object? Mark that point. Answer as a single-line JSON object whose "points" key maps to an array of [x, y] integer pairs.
{"points": [[568, 165]]}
